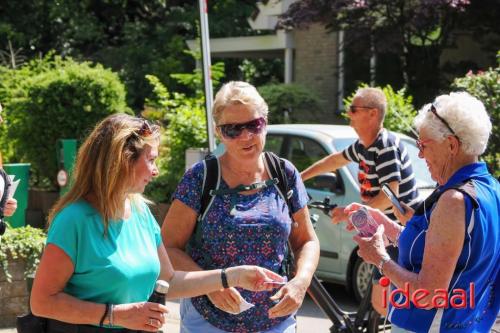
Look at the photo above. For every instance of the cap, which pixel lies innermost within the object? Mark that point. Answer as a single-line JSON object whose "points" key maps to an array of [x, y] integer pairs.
{"points": [[161, 286]]}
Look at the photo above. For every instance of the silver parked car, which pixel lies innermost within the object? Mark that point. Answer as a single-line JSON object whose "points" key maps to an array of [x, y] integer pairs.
{"points": [[304, 144]]}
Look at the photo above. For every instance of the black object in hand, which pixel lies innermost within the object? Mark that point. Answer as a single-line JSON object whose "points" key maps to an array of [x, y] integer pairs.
{"points": [[159, 294]]}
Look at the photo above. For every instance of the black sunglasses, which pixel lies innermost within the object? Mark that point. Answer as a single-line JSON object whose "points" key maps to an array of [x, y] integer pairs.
{"points": [[145, 129], [232, 131], [434, 110], [352, 108]]}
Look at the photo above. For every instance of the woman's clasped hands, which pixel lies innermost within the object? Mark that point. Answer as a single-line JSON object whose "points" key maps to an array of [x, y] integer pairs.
{"points": [[248, 277]]}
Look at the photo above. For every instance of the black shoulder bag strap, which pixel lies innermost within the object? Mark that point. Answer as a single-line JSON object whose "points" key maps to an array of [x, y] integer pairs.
{"points": [[3, 200], [466, 187]]}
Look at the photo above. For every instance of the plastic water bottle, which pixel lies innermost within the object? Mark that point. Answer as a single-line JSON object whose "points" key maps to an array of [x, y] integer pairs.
{"points": [[363, 222]]}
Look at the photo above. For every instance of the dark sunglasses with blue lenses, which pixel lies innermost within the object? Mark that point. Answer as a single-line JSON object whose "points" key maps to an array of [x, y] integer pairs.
{"points": [[232, 131]]}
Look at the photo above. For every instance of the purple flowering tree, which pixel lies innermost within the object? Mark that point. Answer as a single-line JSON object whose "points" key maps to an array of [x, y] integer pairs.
{"points": [[415, 30]]}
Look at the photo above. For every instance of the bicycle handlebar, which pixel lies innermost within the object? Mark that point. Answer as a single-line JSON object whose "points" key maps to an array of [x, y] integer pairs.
{"points": [[325, 206]]}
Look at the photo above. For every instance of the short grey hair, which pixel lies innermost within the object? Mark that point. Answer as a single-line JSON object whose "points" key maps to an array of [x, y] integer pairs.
{"points": [[374, 98], [465, 114], [238, 92]]}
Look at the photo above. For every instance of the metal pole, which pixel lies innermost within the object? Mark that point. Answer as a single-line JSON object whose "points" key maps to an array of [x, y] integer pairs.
{"points": [[207, 78], [340, 66]]}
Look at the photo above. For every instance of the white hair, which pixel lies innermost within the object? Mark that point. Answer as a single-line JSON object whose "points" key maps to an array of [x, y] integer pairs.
{"points": [[238, 92], [465, 114]]}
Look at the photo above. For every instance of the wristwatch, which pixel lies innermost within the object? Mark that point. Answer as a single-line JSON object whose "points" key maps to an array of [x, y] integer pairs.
{"points": [[382, 262]]}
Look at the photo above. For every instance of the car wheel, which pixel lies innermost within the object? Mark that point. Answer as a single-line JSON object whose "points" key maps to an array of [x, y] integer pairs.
{"points": [[361, 278]]}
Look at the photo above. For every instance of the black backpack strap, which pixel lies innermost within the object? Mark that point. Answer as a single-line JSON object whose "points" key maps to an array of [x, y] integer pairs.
{"points": [[467, 188], [211, 180], [276, 167]]}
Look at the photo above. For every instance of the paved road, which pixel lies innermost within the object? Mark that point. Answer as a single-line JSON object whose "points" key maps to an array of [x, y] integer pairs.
{"points": [[310, 318]]}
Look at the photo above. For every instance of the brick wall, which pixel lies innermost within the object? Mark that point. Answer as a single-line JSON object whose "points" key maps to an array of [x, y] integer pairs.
{"points": [[315, 66], [14, 295]]}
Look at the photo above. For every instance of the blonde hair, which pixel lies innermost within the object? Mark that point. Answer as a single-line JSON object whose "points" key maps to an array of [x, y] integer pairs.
{"points": [[104, 165], [238, 92]]}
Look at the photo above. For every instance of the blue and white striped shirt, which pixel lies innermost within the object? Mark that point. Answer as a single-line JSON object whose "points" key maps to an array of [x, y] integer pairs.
{"points": [[385, 161]]}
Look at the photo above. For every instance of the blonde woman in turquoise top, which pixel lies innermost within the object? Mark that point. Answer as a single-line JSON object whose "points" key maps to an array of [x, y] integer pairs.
{"points": [[104, 250]]}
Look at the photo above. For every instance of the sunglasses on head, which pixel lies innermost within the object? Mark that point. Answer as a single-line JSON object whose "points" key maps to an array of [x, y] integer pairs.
{"points": [[434, 111], [232, 131], [145, 129]]}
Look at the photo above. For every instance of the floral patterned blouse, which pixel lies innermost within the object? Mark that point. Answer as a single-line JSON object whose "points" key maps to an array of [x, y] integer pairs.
{"points": [[242, 230]]}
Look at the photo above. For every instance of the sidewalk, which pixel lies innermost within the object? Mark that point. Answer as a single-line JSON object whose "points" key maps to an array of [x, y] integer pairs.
{"points": [[310, 319]]}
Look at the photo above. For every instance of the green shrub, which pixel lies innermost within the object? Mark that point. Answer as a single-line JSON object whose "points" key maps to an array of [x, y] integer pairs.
{"points": [[184, 120], [301, 103], [25, 243], [485, 85], [400, 110], [53, 99]]}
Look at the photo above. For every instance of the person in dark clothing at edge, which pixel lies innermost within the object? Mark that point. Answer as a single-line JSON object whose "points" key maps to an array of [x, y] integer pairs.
{"points": [[10, 203]]}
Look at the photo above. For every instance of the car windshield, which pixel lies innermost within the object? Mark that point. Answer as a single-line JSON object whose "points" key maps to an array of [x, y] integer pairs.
{"points": [[422, 175]]}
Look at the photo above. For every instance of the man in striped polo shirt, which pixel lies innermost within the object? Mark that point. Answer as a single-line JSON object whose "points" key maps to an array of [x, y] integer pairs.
{"points": [[381, 157]]}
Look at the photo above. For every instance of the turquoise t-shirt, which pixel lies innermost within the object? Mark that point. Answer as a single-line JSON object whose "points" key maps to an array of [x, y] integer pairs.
{"points": [[119, 268]]}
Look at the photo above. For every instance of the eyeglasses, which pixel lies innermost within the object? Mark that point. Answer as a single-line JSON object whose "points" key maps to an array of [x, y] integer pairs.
{"points": [[145, 129], [434, 110], [421, 144], [232, 131], [352, 108]]}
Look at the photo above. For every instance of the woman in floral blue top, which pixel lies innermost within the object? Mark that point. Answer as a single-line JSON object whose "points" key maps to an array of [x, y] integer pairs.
{"points": [[246, 227]]}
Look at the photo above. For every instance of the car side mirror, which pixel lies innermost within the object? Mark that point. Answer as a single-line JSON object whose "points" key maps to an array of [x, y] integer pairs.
{"points": [[328, 182]]}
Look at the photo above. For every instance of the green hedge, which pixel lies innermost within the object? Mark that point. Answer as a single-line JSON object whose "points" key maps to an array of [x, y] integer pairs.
{"points": [[53, 99]]}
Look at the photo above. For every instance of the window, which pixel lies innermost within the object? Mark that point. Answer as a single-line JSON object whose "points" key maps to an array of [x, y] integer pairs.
{"points": [[304, 152], [274, 143]]}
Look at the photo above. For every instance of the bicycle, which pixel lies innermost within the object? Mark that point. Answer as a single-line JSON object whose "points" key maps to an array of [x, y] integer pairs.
{"points": [[366, 319]]}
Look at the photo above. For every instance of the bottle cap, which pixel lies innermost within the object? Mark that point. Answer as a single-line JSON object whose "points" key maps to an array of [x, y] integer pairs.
{"points": [[161, 286]]}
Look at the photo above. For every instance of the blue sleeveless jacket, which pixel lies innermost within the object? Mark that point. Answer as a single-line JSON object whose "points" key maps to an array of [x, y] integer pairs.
{"points": [[479, 260]]}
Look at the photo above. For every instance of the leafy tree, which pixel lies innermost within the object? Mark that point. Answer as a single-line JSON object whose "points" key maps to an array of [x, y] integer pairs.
{"points": [[485, 85], [400, 110], [134, 38], [417, 31], [184, 120], [53, 99], [300, 103]]}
